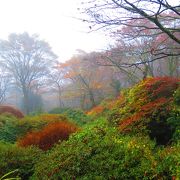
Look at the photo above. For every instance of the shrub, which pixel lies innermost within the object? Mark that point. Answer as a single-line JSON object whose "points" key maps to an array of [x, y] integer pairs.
{"points": [[177, 97], [99, 152], [74, 115], [12, 128], [11, 110], [13, 157], [96, 110], [49, 135], [8, 130], [146, 107], [168, 162]]}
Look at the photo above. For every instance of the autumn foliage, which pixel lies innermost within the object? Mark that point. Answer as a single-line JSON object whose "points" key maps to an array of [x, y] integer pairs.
{"points": [[96, 110], [49, 135], [145, 108], [11, 110]]}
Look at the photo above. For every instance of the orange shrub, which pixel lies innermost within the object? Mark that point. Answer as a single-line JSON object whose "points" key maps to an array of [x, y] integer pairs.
{"points": [[49, 135], [96, 110], [11, 110], [49, 117], [161, 86]]}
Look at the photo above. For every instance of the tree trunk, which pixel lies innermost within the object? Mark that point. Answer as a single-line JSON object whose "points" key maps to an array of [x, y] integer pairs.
{"points": [[61, 104], [26, 100], [91, 97], [82, 102]]}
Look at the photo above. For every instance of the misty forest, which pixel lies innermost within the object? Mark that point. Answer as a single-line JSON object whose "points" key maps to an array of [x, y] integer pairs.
{"points": [[109, 114]]}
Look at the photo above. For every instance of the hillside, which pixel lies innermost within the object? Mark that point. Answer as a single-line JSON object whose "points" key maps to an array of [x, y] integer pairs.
{"points": [[135, 136]]}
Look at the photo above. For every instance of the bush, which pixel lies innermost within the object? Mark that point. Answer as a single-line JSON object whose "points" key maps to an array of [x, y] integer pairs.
{"points": [[168, 160], [8, 130], [74, 115], [102, 109], [13, 157], [12, 128], [177, 97], [145, 109], [11, 110], [99, 152], [49, 135]]}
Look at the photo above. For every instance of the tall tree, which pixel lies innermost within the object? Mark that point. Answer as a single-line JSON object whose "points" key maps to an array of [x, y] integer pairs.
{"points": [[27, 59]]}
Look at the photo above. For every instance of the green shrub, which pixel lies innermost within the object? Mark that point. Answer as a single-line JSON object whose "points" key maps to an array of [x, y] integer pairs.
{"points": [[13, 157], [99, 152], [12, 128], [168, 166], [8, 130], [177, 97], [75, 115]]}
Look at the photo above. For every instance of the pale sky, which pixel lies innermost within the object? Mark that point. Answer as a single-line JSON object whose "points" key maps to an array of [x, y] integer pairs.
{"points": [[51, 19]]}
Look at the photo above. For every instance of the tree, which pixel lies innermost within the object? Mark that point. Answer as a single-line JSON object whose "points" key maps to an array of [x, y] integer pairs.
{"points": [[90, 81], [157, 18], [27, 59], [56, 81], [35, 102]]}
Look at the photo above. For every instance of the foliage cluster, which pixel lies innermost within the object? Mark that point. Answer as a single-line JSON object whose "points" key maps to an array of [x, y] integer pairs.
{"points": [[101, 109], [101, 152], [8, 132], [11, 110], [12, 128], [146, 108], [74, 115], [49, 135], [13, 157]]}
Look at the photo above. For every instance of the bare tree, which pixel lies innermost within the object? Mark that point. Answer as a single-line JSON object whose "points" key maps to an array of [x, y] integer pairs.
{"points": [[157, 18], [27, 59]]}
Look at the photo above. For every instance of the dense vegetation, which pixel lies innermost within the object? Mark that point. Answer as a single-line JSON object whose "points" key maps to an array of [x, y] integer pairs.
{"points": [[134, 136]]}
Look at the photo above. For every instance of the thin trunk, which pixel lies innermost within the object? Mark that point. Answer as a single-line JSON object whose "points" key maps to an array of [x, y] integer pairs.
{"points": [[91, 97], [83, 101], [26, 100]]}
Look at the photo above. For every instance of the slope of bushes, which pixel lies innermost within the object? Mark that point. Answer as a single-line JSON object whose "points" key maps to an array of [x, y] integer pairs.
{"points": [[122, 141], [146, 108], [101, 152]]}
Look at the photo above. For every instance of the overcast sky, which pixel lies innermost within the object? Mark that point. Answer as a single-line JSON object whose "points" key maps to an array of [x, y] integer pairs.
{"points": [[52, 20]]}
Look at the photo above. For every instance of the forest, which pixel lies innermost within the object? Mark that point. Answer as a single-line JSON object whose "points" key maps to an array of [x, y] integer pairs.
{"points": [[109, 114]]}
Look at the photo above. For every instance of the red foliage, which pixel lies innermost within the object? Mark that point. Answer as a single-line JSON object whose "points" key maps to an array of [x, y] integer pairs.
{"points": [[161, 86], [11, 110], [47, 137], [159, 106], [124, 126], [152, 100]]}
